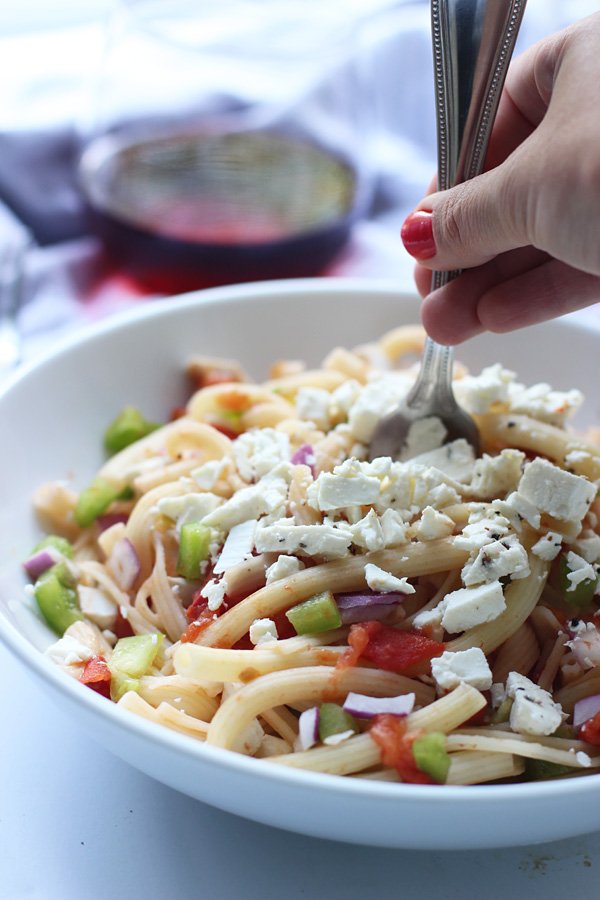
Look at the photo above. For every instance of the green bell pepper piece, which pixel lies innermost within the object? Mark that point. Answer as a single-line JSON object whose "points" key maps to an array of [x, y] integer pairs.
{"points": [[317, 614], [58, 543], [95, 500], [129, 426], [131, 658], [57, 599], [194, 544], [333, 719], [429, 752]]}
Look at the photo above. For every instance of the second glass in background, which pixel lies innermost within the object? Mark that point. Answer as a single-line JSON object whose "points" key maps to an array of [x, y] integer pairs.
{"points": [[225, 141]]}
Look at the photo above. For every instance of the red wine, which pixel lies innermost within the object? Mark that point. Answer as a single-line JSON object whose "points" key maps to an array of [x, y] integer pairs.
{"points": [[200, 207]]}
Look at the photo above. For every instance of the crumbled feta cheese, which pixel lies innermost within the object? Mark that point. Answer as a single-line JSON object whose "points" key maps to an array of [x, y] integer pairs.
{"points": [[432, 525], [533, 710], [394, 529], [188, 507], [587, 545], [250, 502], [384, 582], [548, 546], [586, 644], [68, 651], [478, 393], [497, 694], [312, 405], [423, 436], [544, 404], [457, 460], [214, 591], [411, 487], [495, 476], [283, 567], [497, 560], [95, 604], [471, 606], [207, 475], [376, 399], [260, 450], [348, 485], [306, 540], [579, 570], [263, 631], [466, 666], [428, 618], [343, 398], [237, 547], [556, 492], [583, 759], [368, 532], [481, 531]]}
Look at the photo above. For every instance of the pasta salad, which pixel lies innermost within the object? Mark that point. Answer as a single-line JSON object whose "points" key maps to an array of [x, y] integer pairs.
{"points": [[247, 576]]}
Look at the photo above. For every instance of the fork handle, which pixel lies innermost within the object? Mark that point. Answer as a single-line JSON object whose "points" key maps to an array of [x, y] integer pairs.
{"points": [[473, 41]]}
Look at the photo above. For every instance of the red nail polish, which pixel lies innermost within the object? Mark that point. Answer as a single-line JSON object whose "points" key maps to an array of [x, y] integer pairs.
{"points": [[417, 235]]}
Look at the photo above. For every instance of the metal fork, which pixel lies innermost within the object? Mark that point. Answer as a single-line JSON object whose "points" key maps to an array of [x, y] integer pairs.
{"points": [[473, 42]]}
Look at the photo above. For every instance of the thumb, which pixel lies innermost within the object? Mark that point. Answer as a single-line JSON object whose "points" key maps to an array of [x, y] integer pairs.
{"points": [[471, 223]]}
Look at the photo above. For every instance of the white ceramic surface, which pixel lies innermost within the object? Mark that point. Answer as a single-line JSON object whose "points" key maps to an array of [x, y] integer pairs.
{"points": [[53, 414]]}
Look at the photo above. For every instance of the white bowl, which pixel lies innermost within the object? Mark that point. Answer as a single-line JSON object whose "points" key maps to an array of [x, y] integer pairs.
{"points": [[53, 414]]}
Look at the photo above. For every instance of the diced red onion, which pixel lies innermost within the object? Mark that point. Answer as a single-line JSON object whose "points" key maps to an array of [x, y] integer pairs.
{"points": [[362, 706], [40, 562], [305, 456], [124, 563], [586, 709], [363, 607], [110, 519], [308, 728]]}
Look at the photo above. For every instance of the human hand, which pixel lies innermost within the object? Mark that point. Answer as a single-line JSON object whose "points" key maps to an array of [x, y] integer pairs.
{"points": [[527, 231]]}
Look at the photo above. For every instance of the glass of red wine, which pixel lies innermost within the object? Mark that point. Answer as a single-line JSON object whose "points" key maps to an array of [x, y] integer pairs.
{"points": [[225, 140]]}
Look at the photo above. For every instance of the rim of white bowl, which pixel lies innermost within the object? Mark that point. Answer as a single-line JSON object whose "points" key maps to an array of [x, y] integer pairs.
{"points": [[228, 759]]}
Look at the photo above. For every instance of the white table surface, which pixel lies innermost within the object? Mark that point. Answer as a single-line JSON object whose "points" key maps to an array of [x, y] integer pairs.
{"points": [[77, 823]]}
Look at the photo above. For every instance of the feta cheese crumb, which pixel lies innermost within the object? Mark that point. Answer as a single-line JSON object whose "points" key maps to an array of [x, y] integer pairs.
{"points": [[95, 604], [68, 651], [478, 393], [263, 631], [260, 450], [394, 528], [579, 570], [384, 582], [585, 645], [548, 546], [433, 525], [497, 560], [560, 494], [583, 759], [368, 532], [587, 545], [251, 502], [465, 666], [533, 710], [423, 436], [207, 475], [348, 485], [214, 591], [496, 476], [325, 540], [543, 403], [312, 404], [456, 459], [472, 606], [237, 547], [334, 739], [481, 531], [191, 507], [283, 567]]}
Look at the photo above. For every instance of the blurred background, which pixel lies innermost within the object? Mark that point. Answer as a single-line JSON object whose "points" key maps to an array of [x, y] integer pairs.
{"points": [[153, 146]]}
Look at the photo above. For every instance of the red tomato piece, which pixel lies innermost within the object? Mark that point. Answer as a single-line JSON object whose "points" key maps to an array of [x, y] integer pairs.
{"points": [[590, 731], [395, 744], [391, 649], [358, 638], [228, 432], [122, 627], [96, 675]]}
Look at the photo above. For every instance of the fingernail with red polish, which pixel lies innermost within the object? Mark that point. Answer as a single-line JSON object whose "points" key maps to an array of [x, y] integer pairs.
{"points": [[417, 235]]}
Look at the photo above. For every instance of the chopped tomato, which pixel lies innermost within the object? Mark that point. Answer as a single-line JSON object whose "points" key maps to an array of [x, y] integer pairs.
{"points": [[192, 631], [395, 744], [285, 629], [122, 627], [590, 731], [177, 413], [391, 649], [233, 401], [210, 375], [96, 675], [358, 638]]}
